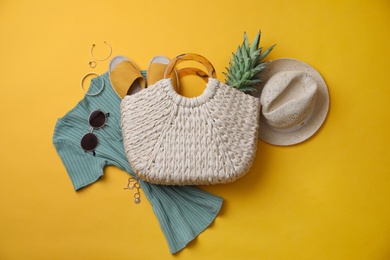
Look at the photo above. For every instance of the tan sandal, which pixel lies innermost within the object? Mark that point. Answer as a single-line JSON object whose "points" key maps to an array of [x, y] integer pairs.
{"points": [[125, 76], [156, 69]]}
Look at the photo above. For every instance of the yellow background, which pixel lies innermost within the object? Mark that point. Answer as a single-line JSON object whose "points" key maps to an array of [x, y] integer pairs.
{"points": [[327, 198]]}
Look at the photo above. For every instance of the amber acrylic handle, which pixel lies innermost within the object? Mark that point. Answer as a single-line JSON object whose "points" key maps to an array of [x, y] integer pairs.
{"points": [[193, 71], [190, 57]]}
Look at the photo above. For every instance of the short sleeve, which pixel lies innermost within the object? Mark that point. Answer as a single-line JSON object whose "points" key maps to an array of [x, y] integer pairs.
{"points": [[83, 168]]}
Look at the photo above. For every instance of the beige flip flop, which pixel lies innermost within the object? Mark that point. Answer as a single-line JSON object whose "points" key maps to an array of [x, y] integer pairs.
{"points": [[125, 76]]}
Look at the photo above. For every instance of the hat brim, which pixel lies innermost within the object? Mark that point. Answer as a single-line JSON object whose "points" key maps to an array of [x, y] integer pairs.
{"points": [[270, 135]]}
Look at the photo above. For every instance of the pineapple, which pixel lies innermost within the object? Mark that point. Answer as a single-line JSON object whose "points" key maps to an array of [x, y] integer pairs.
{"points": [[245, 66]]}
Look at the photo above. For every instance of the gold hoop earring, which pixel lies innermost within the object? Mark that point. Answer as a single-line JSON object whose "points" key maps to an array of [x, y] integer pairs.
{"points": [[93, 46], [92, 64], [82, 81]]}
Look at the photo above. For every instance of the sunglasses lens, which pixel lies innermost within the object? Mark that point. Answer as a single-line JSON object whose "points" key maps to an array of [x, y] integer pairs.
{"points": [[89, 142], [97, 119]]}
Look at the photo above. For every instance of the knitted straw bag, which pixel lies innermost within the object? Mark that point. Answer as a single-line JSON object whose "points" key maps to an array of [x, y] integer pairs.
{"points": [[175, 140]]}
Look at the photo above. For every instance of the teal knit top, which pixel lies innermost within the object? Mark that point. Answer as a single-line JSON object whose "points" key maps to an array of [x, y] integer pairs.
{"points": [[183, 212]]}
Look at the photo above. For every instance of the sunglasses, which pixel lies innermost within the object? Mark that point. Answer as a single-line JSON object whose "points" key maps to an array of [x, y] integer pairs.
{"points": [[89, 141]]}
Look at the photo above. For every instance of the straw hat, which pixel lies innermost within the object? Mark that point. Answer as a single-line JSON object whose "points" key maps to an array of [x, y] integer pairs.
{"points": [[294, 100]]}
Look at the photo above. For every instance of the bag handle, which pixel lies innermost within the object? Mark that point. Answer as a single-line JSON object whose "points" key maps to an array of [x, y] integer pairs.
{"points": [[191, 71]]}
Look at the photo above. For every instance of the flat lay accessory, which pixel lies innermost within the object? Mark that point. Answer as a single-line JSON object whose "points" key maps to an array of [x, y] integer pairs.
{"points": [[183, 212], [125, 76], [92, 64], [133, 183], [193, 71], [175, 140], [82, 84], [295, 102], [156, 70], [89, 141], [103, 59], [190, 57], [158, 65]]}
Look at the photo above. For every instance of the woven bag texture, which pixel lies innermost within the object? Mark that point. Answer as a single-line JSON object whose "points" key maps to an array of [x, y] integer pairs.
{"points": [[175, 140]]}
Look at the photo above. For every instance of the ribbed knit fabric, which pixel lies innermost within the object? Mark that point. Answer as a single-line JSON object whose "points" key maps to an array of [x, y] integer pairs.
{"points": [[182, 211]]}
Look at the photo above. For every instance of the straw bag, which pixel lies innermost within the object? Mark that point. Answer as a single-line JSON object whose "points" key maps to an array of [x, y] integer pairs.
{"points": [[175, 140]]}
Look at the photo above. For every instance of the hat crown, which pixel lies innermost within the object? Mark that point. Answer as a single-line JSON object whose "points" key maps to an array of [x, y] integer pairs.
{"points": [[288, 100]]}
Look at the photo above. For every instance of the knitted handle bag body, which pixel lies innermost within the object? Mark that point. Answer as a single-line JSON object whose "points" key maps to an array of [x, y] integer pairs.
{"points": [[175, 140]]}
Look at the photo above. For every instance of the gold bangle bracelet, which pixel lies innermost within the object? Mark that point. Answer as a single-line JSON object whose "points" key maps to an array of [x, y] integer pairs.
{"points": [[82, 81]]}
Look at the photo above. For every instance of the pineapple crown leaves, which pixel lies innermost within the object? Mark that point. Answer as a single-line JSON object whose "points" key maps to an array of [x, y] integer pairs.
{"points": [[246, 64]]}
